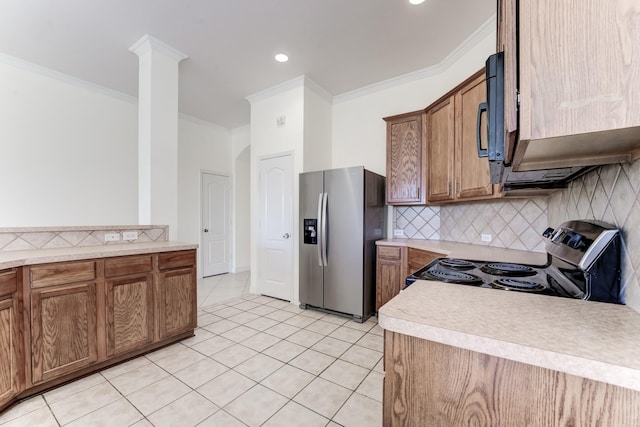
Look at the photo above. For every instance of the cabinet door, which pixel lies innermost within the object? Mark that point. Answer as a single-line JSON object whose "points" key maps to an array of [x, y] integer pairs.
{"points": [[177, 311], [129, 313], [579, 83], [507, 43], [63, 327], [472, 172], [389, 274], [440, 137], [406, 160], [417, 258], [10, 354]]}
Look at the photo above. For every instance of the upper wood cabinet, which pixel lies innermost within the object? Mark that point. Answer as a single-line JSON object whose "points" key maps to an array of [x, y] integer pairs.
{"points": [[455, 172], [406, 159], [579, 81]]}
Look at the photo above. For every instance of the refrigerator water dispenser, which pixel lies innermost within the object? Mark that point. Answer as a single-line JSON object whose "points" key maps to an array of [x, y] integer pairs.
{"points": [[311, 231]]}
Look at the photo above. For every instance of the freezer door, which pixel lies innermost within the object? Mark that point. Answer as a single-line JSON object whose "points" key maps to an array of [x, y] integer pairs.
{"points": [[310, 270], [343, 275]]}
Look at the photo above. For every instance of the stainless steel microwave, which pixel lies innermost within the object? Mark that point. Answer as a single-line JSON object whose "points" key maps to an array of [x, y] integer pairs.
{"points": [[500, 171]]}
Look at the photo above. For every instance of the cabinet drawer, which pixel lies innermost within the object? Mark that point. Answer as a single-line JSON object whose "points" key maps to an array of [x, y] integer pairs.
{"points": [[127, 265], [389, 252], [61, 273], [8, 282], [176, 259]]}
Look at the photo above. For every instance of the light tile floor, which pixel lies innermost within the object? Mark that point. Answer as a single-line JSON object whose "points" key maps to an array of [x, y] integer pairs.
{"points": [[254, 361]]}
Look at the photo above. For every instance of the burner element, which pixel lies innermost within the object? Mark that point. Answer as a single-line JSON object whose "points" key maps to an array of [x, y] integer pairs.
{"points": [[508, 269], [517, 285], [456, 264], [450, 276]]}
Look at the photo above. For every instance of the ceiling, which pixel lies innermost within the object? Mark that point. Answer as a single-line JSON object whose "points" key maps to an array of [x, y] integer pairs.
{"points": [[342, 45]]}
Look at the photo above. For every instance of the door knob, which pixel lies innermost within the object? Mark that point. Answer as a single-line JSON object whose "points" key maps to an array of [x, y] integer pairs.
{"points": [[206, 230], [285, 236]]}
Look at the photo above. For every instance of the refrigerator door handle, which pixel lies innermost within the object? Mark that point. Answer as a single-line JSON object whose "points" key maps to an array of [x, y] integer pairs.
{"points": [[319, 216], [324, 229]]}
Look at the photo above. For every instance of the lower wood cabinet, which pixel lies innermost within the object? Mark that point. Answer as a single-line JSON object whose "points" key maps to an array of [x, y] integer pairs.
{"points": [[177, 300], [432, 384], [389, 273], [393, 265], [81, 316], [63, 330], [129, 303], [11, 339]]}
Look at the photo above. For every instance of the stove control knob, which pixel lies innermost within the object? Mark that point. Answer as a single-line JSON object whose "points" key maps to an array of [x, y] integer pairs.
{"points": [[548, 232], [577, 241]]}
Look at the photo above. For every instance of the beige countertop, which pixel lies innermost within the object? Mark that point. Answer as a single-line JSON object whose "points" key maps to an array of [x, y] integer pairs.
{"points": [[590, 339], [469, 251], [11, 259]]}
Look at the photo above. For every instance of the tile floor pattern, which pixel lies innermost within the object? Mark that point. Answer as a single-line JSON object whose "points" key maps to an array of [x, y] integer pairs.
{"points": [[254, 361]]}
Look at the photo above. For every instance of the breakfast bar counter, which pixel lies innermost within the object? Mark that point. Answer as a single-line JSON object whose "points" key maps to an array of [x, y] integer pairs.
{"points": [[589, 339]]}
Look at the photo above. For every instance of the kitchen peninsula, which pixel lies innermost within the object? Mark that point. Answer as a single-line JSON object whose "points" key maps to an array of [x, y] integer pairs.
{"points": [[458, 355], [66, 312]]}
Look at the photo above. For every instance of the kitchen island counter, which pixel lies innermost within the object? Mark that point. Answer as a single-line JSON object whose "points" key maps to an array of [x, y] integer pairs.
{"points": [[11, 259], [588, 339]]}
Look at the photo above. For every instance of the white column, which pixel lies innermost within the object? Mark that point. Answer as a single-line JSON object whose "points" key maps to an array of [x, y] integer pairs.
{"points": [[158, 133]]}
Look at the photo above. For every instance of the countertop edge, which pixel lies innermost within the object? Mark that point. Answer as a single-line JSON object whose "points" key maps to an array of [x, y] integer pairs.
{"points": [[43, 256], [573, 365]]}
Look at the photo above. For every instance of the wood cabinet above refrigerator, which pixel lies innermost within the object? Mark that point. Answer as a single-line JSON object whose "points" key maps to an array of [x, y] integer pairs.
{"points": [[578, 76]]}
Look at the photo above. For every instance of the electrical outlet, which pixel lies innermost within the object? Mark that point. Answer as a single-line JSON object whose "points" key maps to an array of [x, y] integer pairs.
{"points": [[486, 237], [398, 233], [129, 235], [111, 237]]}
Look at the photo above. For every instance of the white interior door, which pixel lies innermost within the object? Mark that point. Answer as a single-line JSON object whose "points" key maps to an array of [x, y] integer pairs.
{"points": [[275, 251], [216, 221]]}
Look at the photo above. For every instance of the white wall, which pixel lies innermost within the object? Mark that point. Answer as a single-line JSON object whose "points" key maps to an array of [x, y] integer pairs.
{"points": [[359, 133], [202, 147], [241, 153], [68, 153]]}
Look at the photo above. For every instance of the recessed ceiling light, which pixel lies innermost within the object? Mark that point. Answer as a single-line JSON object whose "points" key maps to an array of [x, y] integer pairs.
{"points": [[281, 57], [416, 1]]}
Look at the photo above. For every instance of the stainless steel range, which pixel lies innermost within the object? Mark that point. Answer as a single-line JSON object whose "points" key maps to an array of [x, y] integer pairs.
{"points": [[583, 261]]}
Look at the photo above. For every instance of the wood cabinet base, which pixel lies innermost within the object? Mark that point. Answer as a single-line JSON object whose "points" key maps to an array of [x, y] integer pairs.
{"points": [[432, 384], [61, 321]]}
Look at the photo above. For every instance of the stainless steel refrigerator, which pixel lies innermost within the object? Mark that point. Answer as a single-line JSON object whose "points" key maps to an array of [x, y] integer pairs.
{"points": [[342, 214]]}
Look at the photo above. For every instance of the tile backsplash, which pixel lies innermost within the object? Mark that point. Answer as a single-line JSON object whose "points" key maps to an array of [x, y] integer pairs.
{"points": [[610, 194], [25, 238], [513, 223]]}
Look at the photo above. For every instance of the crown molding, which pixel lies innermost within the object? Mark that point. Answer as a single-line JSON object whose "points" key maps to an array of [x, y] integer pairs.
{"points": [[484, 30], [275, 90], [319, 90], [204, 123], [299, 81], [65, 78], [149, 43]]}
